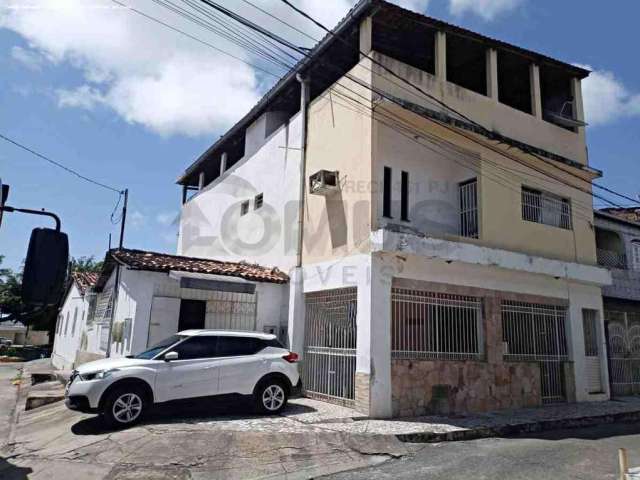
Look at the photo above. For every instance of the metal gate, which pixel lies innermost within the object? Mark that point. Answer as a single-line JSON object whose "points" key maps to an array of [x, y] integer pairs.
{"points": [[623, 339], [329, 363], [537, 332]]}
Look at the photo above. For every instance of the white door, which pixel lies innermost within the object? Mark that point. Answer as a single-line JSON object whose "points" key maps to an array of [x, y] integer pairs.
{"points": [[163, 321], [195, 373], [591, 350], [240, 368]]}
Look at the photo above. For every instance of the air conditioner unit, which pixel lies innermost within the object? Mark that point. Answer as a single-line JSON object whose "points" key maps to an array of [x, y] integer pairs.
{"points": [[324, 182]]}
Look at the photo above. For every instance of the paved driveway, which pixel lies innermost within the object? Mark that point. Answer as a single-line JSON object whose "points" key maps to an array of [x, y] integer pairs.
{"points": [[197, 440], [8, 394]]}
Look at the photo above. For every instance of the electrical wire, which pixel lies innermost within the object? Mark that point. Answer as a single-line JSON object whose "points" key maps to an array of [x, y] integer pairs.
{"points": [[58, 164], [203, 42]]}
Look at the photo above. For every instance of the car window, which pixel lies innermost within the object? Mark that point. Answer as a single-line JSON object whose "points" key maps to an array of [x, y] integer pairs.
{"points": [[159, 347], [201, 346], [272, 343], [234, 346]]}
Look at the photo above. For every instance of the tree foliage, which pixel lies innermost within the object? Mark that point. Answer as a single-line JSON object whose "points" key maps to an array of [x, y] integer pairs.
{"points": [[85, 264]]}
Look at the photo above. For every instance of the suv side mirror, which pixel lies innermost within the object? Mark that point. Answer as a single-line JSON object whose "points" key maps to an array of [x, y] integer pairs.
{"points": [[169, 356], [45, 267]]}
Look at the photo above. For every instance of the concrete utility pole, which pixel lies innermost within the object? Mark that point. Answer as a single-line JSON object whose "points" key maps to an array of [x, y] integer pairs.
{"points": [[116, 283]]}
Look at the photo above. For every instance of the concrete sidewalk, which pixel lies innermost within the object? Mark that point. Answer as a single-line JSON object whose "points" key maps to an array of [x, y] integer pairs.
{"points": [[492, 424]]}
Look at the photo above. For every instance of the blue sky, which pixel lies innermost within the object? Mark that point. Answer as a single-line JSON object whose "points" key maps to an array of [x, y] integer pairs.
{"points": [[129, 116]]}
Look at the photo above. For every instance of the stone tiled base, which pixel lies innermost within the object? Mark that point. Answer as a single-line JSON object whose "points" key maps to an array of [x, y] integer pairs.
{"points": [[423, 387], [362, 393]]}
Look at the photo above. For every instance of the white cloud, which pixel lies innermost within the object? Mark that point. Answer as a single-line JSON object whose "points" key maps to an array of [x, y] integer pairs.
{"points": [[606, 98], [167, 218], [144, 72], [155, 77], [29, 58], [487, 9], [137, 219]]}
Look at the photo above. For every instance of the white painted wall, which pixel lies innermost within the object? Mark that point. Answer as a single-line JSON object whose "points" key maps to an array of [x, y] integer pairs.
{"points": [[211, 225], [145, 293], [68, 337]]}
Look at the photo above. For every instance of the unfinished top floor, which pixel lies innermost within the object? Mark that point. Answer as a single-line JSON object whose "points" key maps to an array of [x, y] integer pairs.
{"points": [[515, 95]]}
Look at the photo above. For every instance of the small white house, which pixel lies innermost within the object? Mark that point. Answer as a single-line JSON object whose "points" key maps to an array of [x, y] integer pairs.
{"points": [[147, 296], [70, 327]]}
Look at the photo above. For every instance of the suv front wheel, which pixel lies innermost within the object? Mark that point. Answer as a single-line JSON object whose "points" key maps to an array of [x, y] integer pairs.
{"points": [[271, 396], [124, 406]]}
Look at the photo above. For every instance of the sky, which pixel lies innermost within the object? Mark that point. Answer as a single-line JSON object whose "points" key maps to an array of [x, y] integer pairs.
{"points": [[131, 103]]}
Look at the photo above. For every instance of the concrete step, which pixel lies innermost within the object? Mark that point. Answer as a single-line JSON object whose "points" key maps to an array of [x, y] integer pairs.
{"points": [[37, 399]]}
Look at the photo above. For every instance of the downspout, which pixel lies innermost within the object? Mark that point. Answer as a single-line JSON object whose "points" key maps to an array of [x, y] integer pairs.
{"points": [[304, 101]]}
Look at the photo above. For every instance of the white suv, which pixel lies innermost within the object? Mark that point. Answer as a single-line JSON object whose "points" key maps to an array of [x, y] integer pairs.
{"points": [[192, 363]]}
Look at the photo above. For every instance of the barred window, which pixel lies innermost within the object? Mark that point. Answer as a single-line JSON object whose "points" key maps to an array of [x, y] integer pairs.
{"points": [[547, 208], [590, 330], [435, 325], [533, 332], [468, 195]]}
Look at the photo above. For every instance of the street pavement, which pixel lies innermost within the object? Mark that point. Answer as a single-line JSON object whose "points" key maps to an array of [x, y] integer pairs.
{"points": [[8, 398], [205, 439], [584, 454]]}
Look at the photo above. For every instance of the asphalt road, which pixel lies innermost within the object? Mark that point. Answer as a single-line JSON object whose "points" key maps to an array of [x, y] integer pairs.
{"points": [[585, 454], [8, 395]]}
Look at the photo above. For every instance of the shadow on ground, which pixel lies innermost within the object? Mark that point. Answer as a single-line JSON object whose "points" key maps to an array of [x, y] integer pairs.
{"points": [[8, 471], [186, 411], [597, 432]]}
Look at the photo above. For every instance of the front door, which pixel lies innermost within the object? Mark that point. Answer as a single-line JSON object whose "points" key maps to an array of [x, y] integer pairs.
{"points": [[591, 350], [195, 373], [192, 314]]}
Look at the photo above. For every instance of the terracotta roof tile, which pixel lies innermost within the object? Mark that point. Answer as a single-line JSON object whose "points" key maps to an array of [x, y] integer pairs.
{"points": [[163, 262], [85, 280]]}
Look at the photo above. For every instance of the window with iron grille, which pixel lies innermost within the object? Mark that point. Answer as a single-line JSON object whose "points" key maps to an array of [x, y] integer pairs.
{"points": [[533, 332], [544, 207], [468, 195], [103, 307], [589, 328], [244, 207], [435, 325], [257, 201]]}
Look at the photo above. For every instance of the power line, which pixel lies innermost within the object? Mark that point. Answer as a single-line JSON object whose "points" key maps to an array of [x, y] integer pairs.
{"points": [[153, 19], [58, 164]]}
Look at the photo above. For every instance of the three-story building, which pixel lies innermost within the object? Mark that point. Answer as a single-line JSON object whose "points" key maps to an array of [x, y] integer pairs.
{"points": [[428, 190]]}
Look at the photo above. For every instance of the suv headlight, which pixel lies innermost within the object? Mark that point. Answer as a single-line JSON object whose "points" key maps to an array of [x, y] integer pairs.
{"points": [[97, 375]]}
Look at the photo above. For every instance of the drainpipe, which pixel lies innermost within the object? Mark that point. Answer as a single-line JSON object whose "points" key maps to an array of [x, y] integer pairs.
{"points": [[304, 100]]}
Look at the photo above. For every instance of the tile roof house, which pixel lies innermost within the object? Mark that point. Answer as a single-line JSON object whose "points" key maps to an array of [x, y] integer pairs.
{"points": [[164, 262], [141, 297]]}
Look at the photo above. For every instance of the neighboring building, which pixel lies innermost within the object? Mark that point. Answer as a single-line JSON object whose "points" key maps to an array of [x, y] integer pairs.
{"points": [[18, 333], [448, 261], [70, 334], [14, 331], [618, 244], [158, 295]]}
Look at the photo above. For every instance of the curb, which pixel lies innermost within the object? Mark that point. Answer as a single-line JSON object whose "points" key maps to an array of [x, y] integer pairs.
{"points": [[515, 429]]}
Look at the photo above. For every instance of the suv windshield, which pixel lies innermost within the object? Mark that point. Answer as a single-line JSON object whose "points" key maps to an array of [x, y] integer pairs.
{"points": [[160, 347]]}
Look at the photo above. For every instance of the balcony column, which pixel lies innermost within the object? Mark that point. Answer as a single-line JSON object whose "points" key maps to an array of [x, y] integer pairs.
{"points": [[366, 36], [492, 74], [223, 163], [536, 95], [441, 55], [578, 105]]}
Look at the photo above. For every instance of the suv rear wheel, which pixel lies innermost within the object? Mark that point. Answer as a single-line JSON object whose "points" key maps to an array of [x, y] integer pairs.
{"points": [[271, 396], [124, 406]]}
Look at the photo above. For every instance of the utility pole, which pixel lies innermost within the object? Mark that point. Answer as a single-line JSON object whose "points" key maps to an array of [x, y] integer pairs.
{"points": [[124, 216], [116, 283]]}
